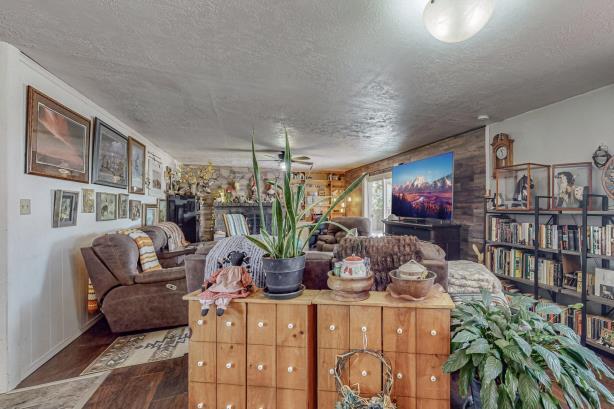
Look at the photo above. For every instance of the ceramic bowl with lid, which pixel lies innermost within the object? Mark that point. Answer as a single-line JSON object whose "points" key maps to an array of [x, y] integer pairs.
{"points": [[412, 270], [353, 266]]}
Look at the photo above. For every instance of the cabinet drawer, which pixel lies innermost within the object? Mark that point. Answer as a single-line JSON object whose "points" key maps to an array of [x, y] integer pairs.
{"points": [[365, 321], [291, 368], [201, 358], [261, 365], [432, 404], [231, 325], [406, 403], [230, 397], [201, 395], [295, 399], [432, 331], [327, 400], [366, 371], [231, 364], [261, 398], [431, 382], [292, 325], [327, 359], [399, 327], [261, 324], [203, 328], [404, 373], [333, 327]]}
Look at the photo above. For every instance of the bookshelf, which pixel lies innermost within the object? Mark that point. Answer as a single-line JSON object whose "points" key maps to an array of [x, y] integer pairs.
{"points": [[554, 258], [324, 186]]}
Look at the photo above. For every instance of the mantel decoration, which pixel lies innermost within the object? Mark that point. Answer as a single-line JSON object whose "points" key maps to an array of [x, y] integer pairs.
{"points": [[189, 180], [284, 262]]}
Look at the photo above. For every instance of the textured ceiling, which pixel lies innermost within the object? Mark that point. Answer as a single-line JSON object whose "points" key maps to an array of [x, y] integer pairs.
{"points": [[353, 81]]}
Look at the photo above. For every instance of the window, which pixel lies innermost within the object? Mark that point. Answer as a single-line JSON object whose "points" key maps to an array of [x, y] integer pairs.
{"points": [[378, 195]]}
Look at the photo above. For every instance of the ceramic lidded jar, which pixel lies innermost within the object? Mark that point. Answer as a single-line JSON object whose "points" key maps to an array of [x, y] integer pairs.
{"points": [[353, 266], [412, 270]]}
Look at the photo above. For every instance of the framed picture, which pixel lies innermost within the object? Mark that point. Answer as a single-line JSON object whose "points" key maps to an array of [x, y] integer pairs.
{"points": [[106, 206], [136, 154], [162, 204], [150, 214], [122, 206], [135, 210], [604, 283], [89, 201], [155, 175], [65, 205], [569, 181], [57, 140], [110, 157]]}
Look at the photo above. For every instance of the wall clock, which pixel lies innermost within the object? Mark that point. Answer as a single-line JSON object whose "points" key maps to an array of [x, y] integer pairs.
{"points": [[502, 152], [607, 178]]}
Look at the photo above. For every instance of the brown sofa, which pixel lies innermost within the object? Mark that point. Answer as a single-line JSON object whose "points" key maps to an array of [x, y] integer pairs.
{"points": [[333, 234], [130, 299], [160, 240]]}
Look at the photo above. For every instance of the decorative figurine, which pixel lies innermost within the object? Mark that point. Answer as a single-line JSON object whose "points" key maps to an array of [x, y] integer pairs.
{"points": [[232, 281]]}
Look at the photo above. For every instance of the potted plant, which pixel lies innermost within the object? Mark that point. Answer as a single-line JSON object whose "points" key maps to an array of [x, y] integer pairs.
{"points": [[511, 357], [284, 262]]}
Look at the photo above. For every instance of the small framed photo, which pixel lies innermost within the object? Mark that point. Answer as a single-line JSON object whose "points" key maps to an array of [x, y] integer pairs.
{"points": [[604, 283], [569, 182], [122, 206], [150, 214], [110, 156], [135, 210], [162, 210], [65, 205], [106, 206], [89, 201]]}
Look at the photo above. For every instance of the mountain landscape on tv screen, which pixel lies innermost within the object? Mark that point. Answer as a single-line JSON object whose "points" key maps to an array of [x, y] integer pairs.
{"points": [[419, 197]]}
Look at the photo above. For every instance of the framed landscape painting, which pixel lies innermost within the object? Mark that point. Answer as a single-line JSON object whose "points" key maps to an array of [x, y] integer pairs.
{"points": [[65, 205], [110, 157], [136, 153], [106, 206], [57, 140]]}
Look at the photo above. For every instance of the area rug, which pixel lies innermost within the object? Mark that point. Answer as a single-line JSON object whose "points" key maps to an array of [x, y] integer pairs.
{"points": [[66, 394], [141, 349]]}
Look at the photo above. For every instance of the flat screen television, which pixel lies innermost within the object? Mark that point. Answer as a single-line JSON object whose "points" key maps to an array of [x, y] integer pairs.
{"points": [[424, 188]]}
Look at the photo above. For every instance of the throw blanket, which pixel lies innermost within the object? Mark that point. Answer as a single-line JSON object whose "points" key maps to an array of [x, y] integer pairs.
{"points": [[147, 253], [176, 239], [466, 279], [236, 243]]}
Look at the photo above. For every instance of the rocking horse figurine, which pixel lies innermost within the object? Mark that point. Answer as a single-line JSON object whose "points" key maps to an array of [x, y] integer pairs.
{"points": [[231, 280]]}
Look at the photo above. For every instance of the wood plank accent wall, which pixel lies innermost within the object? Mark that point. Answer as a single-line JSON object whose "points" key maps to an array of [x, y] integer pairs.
{"points": [[469, 182]]}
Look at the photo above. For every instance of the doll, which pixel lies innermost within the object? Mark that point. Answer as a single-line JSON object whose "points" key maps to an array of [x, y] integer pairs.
{"points": [[232, 281]]}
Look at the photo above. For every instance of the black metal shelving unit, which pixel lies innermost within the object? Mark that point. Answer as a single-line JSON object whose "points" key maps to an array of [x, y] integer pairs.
{"points": [[547, 216]]}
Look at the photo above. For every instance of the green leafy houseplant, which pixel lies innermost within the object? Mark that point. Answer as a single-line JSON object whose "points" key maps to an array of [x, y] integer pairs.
{"points": [[282, 240], [518, 357]]}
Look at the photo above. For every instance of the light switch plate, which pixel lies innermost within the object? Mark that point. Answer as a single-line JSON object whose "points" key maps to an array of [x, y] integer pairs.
{"points": [[24, 206]]}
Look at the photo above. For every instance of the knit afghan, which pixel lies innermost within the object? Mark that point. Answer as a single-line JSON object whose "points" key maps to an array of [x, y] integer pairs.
{"points": [[147, 253]]}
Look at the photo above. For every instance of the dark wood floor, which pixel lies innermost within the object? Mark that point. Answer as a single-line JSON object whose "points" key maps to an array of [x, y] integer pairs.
{"points": [[158, 385]]}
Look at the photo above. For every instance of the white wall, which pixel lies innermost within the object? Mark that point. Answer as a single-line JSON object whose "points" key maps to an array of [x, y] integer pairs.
{"points": [[564, 132], [46, 289]]}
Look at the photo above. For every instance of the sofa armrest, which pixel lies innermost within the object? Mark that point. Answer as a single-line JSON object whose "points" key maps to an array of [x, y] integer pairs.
{"points": [[327, 238], [195, 271], [176, 253], [157, 276]]}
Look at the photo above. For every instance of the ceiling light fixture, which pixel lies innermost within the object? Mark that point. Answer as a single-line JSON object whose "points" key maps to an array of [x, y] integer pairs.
{"points": [[453, 21], [483, 117], [282, 166]]}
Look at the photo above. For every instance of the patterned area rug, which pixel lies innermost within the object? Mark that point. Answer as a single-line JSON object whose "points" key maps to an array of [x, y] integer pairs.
{"points": [[141, 349], [67, 394]]}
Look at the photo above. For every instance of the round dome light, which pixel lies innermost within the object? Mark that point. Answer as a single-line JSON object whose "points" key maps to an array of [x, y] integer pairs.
{"points": [[453, 21]]}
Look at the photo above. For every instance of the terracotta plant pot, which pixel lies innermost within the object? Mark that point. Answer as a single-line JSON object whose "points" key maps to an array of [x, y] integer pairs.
{"points": [[350, 288]]}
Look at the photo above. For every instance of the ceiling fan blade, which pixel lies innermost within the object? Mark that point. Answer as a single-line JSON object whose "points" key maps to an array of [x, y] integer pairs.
{"points": [[239, 150], [301, 158], [302, 162]]}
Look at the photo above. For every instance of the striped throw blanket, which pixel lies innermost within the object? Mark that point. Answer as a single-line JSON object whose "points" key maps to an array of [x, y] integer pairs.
{"points": [[176, 239], [236, 225], [147, 253], [236, 243]]}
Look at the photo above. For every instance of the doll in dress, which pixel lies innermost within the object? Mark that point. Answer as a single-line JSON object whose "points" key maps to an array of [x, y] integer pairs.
{"points": [[231, 280]]}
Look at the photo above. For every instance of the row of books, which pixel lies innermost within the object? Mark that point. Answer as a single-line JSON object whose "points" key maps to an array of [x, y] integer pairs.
{"points": [[559, 237], [600, 240], [508, 231]]}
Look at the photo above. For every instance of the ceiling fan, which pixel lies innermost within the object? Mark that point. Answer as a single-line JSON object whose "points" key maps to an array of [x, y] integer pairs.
{"points": [[301, 160]]}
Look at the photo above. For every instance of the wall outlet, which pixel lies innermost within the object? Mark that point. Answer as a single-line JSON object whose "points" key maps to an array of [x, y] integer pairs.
{"points": [[24, 206]]}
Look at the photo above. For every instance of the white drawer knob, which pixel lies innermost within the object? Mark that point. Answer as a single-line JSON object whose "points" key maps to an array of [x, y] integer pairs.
{"points": [[229, 365], [228, 406], [364, 373], [229, 323], [290, 369], [260, 367], [364, 329], [399, 375], [400, 331], [331, 371], [200, 363], [290, 325], [200, 322], [332, 327], [433, 332], [200, 405], [260, 324], [433, 378]]}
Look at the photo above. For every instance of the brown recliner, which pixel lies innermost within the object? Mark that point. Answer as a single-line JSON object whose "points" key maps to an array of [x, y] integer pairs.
{"points": [[166, 257], [334, 234], [130, 299]]}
